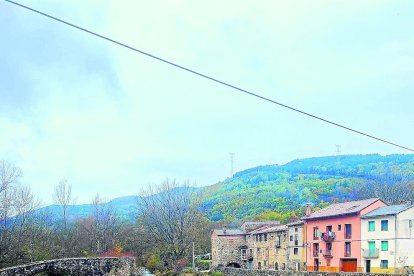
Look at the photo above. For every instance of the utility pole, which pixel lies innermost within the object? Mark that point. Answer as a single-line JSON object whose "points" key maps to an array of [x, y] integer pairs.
{"points": [[193, 259], [231, 163]]}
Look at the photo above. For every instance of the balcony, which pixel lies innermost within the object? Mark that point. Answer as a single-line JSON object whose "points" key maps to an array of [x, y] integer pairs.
{"points": [[328, 236], [328, 254], [370, 254]]}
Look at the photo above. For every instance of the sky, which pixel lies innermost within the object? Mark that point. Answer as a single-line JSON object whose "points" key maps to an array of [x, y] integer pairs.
{"points": [[76, 107]]}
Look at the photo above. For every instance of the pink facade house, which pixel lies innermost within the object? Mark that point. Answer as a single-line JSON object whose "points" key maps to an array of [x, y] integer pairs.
{"points": [[333, 235]]}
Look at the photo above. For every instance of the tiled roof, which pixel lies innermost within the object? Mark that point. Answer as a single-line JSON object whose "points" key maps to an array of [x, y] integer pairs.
{"points": [[269, 229], [341, 209], [299, 222], [387, 210], [229, 232]]}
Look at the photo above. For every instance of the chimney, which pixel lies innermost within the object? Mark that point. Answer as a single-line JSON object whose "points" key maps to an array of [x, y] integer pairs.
{"points": [[308, 209]]}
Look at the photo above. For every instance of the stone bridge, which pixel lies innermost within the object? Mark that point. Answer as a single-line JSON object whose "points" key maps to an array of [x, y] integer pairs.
{"points": [[75, 266]]}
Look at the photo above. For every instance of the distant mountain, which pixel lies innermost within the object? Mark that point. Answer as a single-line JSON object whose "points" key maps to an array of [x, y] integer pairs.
{"points": [[282, 190], [125, 207]]}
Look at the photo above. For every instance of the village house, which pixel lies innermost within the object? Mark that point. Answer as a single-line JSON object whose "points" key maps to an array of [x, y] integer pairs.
{"points": [[296, 246], [229, 247], [333, 235], [268, 247], [388, 239]]}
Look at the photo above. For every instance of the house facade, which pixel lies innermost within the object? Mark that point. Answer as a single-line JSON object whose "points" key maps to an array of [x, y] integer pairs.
{"points": [[333, 236], [388, 239], [228, 248], [296, 246], [268, 247]]}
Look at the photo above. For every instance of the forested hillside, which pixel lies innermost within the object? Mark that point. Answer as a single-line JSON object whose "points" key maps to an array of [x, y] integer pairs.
{"points": [[280, 191]]}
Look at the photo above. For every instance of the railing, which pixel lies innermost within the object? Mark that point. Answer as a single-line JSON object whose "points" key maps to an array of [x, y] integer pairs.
{"points": [[369, 253], [347, 254], [328, 254], [348, 236], [316, 253], [328, 236]]}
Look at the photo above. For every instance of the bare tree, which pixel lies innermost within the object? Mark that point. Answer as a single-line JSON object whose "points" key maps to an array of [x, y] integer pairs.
{"points": [[63, 196], [170, 219]]}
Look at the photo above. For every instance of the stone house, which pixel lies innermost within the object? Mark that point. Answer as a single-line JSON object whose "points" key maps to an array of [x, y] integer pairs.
{"points": [[228, 248], [296, 246], [387, 235]]}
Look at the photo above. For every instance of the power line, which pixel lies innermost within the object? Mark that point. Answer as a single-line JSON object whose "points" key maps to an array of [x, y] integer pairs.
{"points": [[208, 77]]}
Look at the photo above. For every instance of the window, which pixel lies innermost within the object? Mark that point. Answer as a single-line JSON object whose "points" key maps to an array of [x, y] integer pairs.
{"points": [[348, 231], [384, 246], [296, 239], [283, 266], [347, 249], [384, 225], [264, 263], [251, 252], [384, 263], [265, 238], [244, 254], [339, 227], [371, 226], [315, 233], [296, 229], [410, 224], [291, 238], [329, 228], [315, 249], [295, 251]]}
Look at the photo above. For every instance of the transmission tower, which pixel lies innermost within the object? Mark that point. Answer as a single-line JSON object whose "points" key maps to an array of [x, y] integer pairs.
{"points": [[231, 163]]}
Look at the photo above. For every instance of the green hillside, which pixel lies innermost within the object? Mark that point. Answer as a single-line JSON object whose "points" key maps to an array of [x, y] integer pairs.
{"points": [[280, 191]]}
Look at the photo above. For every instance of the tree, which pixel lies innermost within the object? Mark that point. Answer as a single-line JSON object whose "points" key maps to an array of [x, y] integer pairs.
{"points": [[171, 220], [63, 196]]}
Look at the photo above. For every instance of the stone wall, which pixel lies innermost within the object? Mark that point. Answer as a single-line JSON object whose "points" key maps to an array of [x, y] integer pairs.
{"points": [[255, 272], [74, 266]]}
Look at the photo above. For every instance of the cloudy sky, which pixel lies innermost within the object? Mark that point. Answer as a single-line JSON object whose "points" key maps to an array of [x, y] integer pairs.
{"points": [[112, 121]]}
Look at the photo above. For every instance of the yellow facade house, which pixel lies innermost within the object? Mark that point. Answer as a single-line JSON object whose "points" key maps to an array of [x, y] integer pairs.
{"points": [[268, 247]]}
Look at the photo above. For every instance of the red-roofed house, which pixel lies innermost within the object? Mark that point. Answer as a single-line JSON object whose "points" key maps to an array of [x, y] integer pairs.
{"points": [[333, 235]]}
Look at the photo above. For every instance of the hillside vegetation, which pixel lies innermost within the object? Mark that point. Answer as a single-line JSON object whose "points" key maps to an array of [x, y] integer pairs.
{"points": [[280, 191]]}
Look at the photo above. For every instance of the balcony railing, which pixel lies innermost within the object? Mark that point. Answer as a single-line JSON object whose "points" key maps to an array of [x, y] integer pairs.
{"points": [[348, 236], [328, 254], [315, 253], [328, 236], [347, 254], [369, 253]]}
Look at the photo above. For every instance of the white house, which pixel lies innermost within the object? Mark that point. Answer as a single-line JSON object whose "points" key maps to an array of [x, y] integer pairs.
{"points": [[387, 239]]}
